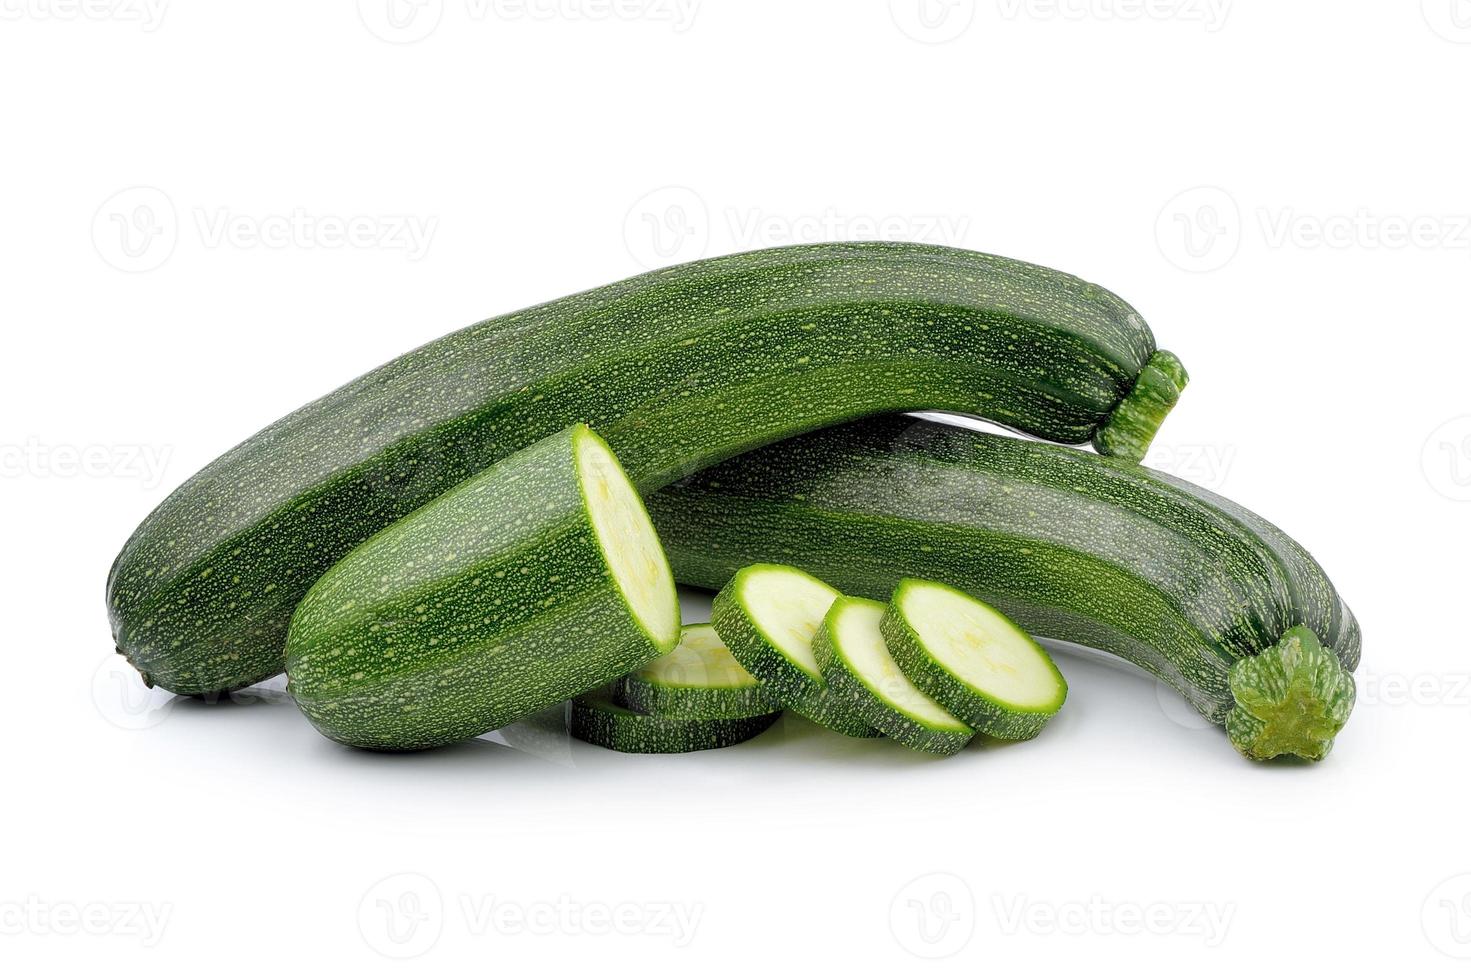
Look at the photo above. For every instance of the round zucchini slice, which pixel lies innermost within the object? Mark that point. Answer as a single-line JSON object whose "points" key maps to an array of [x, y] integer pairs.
{"points": [[973, 660], [699, 679], [767, 615], [860, 671], [599, 720]]}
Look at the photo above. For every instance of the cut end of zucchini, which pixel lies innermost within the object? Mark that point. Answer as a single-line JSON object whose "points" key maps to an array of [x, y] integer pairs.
{"points": [[701, 661], [628, 541], [1291, 699], [1135, 420], [973, 660]]}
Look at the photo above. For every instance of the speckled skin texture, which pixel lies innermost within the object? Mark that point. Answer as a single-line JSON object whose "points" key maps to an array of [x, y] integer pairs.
{"points": [[677, 369], [850, 688], [1068, 544], [488, 604], [599, 721]]}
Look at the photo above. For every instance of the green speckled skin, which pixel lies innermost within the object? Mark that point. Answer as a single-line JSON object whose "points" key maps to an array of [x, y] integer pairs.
{"points": [[851, 688], [490, 603], [677, 369], [797, 690], [1068, 544], [980, 709], [597, 719]]}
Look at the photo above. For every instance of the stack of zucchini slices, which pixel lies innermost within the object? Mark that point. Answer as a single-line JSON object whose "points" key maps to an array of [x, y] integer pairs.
{"points": [[930, 670]]}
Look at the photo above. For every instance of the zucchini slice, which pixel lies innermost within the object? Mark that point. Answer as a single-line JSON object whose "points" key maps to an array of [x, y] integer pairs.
{"points": [[768, 615], [598, 719], [537, 580], [699, 679], [859, 670], [972, 659]]}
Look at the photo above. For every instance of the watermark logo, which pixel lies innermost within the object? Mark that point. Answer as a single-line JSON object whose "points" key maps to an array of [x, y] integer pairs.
{"points": [[1208, 922], [674, 224], [1206, 465], [1446, 917], [933, 21], [1451, 19], [408, 21], [44, 461], [1211, 14], [933, 916], [401, 916], [667, 226], [1199, 230], [136, 229], [120, 696], [405, 915], [1178, 710], [139, 229], [1445, 459], [34, 916], [147, 14], [401, 21]]}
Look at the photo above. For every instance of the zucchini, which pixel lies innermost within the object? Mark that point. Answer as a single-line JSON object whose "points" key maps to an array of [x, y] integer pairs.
{"points": [[971, 659], [768, 615], [698, 680], [537, 580], [677, 369], [859, 669], [1070, 545], [598, 718]]}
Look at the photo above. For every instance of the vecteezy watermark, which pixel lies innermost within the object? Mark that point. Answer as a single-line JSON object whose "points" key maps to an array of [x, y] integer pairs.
{"points": [[1211, 14], [44, 461], [933, 21], [1451, 19], [1445, 917], [1208, 922], [1201, 229], [933, 916], [1177, 709], [138, 229], [407, 21], [1203, 464], [1425, 690], [673, 224], [1445, 459], [147, 14], [404, 915], [34, 916], [121, 697]]}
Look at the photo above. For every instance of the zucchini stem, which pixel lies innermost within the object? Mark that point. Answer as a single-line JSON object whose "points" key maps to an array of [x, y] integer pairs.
{"points": [[1291, 699], [1132, 425]]}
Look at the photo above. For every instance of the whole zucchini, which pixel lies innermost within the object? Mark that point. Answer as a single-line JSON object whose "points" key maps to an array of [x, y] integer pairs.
{"points": [[677, 369], [1201, 592], [534, 581]]}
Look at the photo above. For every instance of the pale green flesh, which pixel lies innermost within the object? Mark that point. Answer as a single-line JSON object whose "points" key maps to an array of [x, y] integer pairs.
{"points": [[701, 660], [628, 541], [856, 636], [788, 608], [979, 646]]}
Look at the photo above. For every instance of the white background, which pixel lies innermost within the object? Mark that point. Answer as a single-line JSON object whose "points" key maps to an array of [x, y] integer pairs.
{"points": [[1280, 188]]}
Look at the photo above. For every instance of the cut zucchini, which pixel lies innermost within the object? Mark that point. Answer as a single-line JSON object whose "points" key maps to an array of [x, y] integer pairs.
{"points": [[598, 719], [535, 581], [972, 659], [767, 615], [698, 680], [860, 671]]}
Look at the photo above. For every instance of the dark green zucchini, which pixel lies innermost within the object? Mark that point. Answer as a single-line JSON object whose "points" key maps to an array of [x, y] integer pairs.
{"points": [[1206, 595], [677, 369]]}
